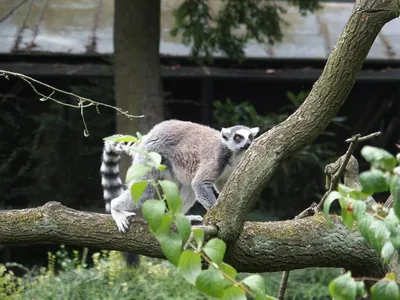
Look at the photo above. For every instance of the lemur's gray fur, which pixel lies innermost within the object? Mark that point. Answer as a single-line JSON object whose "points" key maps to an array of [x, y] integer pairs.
{"points": [[197, 158]]}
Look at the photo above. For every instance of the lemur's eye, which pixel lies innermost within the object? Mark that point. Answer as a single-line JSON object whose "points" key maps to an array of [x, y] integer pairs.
{"points": [[237, 137]]}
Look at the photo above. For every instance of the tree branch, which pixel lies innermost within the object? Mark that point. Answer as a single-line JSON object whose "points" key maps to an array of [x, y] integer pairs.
{"points": [[262, 247], [303, 126]]}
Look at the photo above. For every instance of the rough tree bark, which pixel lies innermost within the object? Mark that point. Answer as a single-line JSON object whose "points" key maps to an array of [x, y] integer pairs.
{"points": [[261, 247], [302, 127], [137, 66]]}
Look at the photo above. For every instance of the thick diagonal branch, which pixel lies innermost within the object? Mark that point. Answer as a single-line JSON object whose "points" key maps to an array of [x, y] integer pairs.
{"points": [[271, 246], [302, 127]]}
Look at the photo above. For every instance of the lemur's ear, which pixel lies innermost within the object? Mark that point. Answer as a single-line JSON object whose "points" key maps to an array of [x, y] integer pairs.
{"points": [[255, 130], [225, 133]]}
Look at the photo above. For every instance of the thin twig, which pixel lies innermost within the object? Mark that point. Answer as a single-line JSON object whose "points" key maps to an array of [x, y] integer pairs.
{"points": [[82, 102], [283, 285]]}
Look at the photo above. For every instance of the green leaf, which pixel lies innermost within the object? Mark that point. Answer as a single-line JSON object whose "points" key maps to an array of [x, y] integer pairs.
{"points": [[137, 189], [398, 158], [211, 282], [136, 171], [228, 270], [165, 226], [343, 287], [215, 250], [190, 265], [364, 226], [387, 251], [361, 289], [385, 290], [359, 208], [344, 190], [171, 193], [121, 138], [155, 158], [381, 234], [198, 235], [379, 158], [327, 204], [171, 246], [161, 167], [347, 217], [392, 222], [395, 191], [234, 293], [395, 239], [257, 285], [358, 195], [373, 181], [153, 211], [184, 227]]}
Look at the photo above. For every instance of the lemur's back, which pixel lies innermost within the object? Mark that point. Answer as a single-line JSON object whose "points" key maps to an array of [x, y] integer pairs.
{"points": [[183, 146]]}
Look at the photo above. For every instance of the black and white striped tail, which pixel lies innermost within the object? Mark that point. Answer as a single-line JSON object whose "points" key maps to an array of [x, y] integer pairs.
{"points": [[110, 176]]}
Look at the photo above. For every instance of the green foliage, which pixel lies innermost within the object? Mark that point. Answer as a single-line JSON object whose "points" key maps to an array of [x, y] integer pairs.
{"points": [[379, 225], [302, 172], [109, 278], [228, 28], [181, 250]]}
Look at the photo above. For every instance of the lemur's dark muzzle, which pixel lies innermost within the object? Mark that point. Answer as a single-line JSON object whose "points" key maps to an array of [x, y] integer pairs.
{"points": [[246, 146]]}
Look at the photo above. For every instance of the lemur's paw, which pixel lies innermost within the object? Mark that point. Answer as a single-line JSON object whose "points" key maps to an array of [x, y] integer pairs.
{"points": [[121, 219]]}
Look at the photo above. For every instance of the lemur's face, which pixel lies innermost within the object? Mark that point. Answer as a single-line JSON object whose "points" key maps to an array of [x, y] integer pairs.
{"points": [[238, 137]]}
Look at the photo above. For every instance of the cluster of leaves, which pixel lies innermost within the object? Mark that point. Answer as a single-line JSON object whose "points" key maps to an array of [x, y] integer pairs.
{"points": [[210, 29], [379, 225], [185, 247], [301, 173]]}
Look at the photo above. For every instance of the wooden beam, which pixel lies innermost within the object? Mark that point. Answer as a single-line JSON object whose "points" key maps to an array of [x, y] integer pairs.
{"points": [[105, 70]]}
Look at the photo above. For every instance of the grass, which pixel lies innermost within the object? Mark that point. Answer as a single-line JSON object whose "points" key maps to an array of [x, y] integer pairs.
{"points": [[108, 278]]}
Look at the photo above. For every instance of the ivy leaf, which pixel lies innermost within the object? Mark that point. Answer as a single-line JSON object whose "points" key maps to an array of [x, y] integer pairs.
{"points": [[171, 246], [257, 285], [183, 225], [171, 193], [343, 287], [190, 265], [387, 251], [373, 181], [161, 167], [385, 289], [211, 282], [364, 226], [327, 204], [137, 189], [198, 235], [361, 289], [215, 250], [155, 158], [136, 171], [398, 158], [395, 191], [379, 158], [153, 211], [234, 293]]}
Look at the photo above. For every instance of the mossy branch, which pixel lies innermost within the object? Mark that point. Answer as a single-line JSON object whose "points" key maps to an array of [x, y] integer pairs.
{"points": [[261, 247]]}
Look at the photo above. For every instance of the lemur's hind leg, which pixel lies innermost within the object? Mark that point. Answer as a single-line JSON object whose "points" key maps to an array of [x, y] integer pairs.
{"points": [[123, 206]]}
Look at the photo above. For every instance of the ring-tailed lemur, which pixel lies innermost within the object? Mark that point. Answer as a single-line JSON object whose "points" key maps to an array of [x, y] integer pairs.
{"points": [[196, 157]]}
